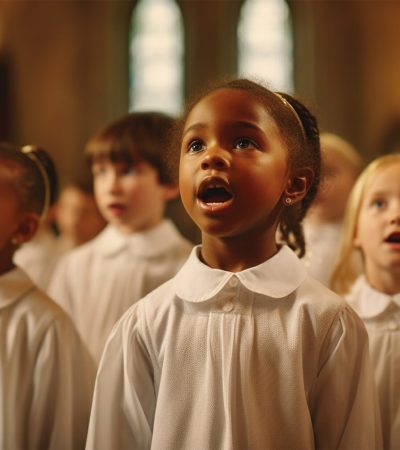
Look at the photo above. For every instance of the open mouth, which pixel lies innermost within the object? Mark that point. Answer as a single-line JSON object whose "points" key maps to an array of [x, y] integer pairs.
{"points": [[393, 238], [213, 191], [215, 194]]}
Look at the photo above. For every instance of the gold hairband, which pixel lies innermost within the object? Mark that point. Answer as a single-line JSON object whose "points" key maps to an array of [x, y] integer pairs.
{"points": [[294, 112], [29, 151]]}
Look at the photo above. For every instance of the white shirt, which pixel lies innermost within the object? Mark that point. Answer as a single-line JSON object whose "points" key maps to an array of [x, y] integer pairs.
{"points": [[322, 244], [266, 358], [38, 257], [381, 315], [46, 375], [98, 281]]}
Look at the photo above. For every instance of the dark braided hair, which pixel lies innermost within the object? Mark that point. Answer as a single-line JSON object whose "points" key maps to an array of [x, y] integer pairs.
{"points": [[302, 142], [290, 226], [27, 178]]}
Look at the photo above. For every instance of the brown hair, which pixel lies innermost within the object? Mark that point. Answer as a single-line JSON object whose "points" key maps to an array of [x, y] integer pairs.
{"points": [[301, 137], [135, 137]]}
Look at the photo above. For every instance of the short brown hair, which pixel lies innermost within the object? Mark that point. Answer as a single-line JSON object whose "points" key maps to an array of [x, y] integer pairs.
{"points": [[136, 137]]}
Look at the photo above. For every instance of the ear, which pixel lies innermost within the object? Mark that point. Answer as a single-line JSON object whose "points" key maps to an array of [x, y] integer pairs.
{"points": [[297, 185], [26, 228], [171, 191]]}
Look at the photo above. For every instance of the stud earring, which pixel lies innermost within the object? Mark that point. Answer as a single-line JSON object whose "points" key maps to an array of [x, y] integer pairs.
{"points": [[288, 201]]}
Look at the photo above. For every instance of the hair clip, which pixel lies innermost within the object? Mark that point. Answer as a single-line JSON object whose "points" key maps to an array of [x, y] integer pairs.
{"points": [[29, 151], [294, 112]]}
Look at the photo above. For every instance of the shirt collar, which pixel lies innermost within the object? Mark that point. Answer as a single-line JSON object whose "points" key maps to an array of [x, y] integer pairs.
{"points": [[148, 243], [367, 301], [197, 282], [13, 285]]}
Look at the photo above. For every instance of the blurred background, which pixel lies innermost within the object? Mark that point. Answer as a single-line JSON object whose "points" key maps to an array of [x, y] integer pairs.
{"points": [[68, 67]]}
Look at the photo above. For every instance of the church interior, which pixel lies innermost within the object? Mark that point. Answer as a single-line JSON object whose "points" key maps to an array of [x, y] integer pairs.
{"points": [[66, 66]]}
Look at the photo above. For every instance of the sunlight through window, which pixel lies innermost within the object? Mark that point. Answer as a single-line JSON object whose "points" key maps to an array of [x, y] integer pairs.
{"points": [[156, 57], [265, 43]]}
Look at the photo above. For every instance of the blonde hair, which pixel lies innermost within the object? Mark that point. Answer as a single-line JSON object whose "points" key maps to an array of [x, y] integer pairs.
{"points": [[333, 143], [349, 262]]}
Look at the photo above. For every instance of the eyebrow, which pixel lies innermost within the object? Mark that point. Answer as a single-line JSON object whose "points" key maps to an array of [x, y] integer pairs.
{"points": [[241, 123]]}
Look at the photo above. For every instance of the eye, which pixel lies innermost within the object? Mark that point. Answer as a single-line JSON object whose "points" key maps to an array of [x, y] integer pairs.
{"points": [[243, 143], [378, 203], [195, 146], [127, 169], [98, 170]]}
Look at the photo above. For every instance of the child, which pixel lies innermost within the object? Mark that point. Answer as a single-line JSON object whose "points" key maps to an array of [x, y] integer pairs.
{"points": [[46, 377], [139, 249], [372, 229], [77, 216], [341, 164], [39, 256], [241, 349]]}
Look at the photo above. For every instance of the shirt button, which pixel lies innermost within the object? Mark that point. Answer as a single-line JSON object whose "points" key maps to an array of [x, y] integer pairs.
{"points": [[233, 282], [228, 306]]}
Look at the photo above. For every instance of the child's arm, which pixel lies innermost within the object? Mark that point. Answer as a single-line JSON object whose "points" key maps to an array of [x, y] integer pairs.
{"points": [[62, 388], [344, 405], [124, 398]]}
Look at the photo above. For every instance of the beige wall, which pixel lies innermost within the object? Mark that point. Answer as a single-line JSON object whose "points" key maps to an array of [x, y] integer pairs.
{"points": [[68, 62]]}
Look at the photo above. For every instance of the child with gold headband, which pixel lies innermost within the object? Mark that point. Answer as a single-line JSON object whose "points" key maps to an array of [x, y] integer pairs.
{"points": [[241, 349], [39, 256], [46, 374]]}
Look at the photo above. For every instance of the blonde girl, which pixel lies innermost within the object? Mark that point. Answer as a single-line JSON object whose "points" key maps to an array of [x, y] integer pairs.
{"points": [[368, 274]]}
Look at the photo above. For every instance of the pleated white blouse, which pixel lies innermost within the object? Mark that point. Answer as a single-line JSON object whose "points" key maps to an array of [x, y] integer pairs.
{"points": [[97, 282], [266, 358], [381, 315], [46, 374]]}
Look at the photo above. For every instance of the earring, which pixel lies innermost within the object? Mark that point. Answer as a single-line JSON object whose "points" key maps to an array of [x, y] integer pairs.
{"points": [[288, 201]]}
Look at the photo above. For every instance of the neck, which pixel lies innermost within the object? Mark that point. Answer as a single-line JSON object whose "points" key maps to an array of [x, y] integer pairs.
{"points": [[386, 281], [237, 254]]}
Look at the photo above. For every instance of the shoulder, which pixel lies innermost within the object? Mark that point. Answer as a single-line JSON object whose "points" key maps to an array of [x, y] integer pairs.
{"points": [[38, 313], [149, 312], [325, 309]]}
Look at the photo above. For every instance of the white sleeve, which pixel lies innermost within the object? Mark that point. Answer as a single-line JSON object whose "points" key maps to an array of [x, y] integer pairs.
{"points": [[59, 287], [124, 397], [63, 380], [344, 407]]}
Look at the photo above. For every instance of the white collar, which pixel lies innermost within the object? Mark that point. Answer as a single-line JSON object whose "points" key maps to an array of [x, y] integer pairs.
{"points": [[277, 277], [148, 243], [367, 301], [13, 285]]}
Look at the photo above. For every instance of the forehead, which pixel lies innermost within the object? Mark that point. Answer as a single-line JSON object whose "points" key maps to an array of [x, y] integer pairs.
{"points": [[230, 105], [386, 179]]}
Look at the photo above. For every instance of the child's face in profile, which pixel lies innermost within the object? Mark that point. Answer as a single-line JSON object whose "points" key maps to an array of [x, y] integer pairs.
{"points": [[129, 197], [378, 226], [233, 165]]}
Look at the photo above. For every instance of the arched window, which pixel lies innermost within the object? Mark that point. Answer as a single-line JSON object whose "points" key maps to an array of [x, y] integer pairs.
{"points": [[265, 43], [156, 57]]}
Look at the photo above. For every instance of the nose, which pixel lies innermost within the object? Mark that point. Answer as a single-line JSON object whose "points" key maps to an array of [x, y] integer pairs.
{"points": [[395, 218], [395, 215], [215, 159]]}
